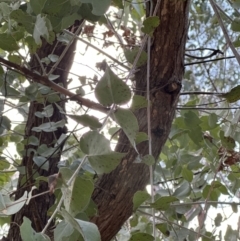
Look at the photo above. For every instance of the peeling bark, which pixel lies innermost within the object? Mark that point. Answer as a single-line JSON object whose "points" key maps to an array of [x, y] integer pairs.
{"points": [[114, 191]]}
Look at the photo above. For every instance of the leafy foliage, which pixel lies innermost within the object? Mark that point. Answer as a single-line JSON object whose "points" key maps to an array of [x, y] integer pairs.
{"points": [[199, 165]]}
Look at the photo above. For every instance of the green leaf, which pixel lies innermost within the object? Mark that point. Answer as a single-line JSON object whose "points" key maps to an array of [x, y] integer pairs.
{"points": [[139, 7], [53, 57], [235, 25], [37, 6], [148, 160], [29, 234], [218, 185], [131, 54], [41, 162], [182, 191], [69, 20], [150, 24], [31, 91], [100, 155], [212, 120], [15, 59], [233, 95], [49, 126], [117, 3], [99, 7], [31, 44], [5, 10], [47, 112], [234, 208], [231, 234], [163, 227], [227, 141], [4, 164], [10, 92], [112, 90], [87, 120], [93, 143], [235, 3], [163, 203], [191, 120], [75, 2], [24, 19], [78, 195], [40, 29], [88, 230], [138, 198], [138, 102], [218, 220], [211, 193], [65, 232], [85, 11], [7, 42], [5, 124], [128, 122], [33, 140], [141, 237], [187, 174], [9, 207], [140, 137], [105, 163]]}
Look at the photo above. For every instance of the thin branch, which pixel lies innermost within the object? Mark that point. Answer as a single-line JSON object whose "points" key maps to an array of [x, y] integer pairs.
{"points": [[45, 81], [210, 60], [99, 50], [200, 93], [200, 49], [215, 9], [215, 52], [176, 224], [208, 108], [62, 198], [149, 129], [110, 27], [74, 36], [40, 63]]}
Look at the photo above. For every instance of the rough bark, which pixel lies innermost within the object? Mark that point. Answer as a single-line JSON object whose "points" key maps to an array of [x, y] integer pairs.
{"points": [[114, 191], [37, 209]]}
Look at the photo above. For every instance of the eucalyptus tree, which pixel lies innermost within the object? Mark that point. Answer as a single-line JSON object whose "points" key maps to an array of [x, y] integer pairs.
{"points": [[71, 184]]}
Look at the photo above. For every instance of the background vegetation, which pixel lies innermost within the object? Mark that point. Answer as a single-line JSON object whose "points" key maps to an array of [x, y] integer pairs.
{"points": [[153, 102]]}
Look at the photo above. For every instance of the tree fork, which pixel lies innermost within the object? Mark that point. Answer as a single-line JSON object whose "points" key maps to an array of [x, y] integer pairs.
{"points": [[114, 191]]}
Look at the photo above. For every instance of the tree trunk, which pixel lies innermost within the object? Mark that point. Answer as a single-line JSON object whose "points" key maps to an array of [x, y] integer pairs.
{"points": [[37, 209], [114, 191]]}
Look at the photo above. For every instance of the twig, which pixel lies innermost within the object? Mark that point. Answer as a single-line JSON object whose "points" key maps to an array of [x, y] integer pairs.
{"points": [[215, 52], [176, 224], [210, 60], [98, 49], [74, 36], [215, 9], [62, 198], [200, 93], [110, 26], [208, 108], [40, 63]]}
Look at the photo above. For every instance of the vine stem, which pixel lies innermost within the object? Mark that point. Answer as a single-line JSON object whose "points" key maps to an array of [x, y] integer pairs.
{"points": [[215, 9], [66, 48], [151, 174], [62, 198], [149, 125]]}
